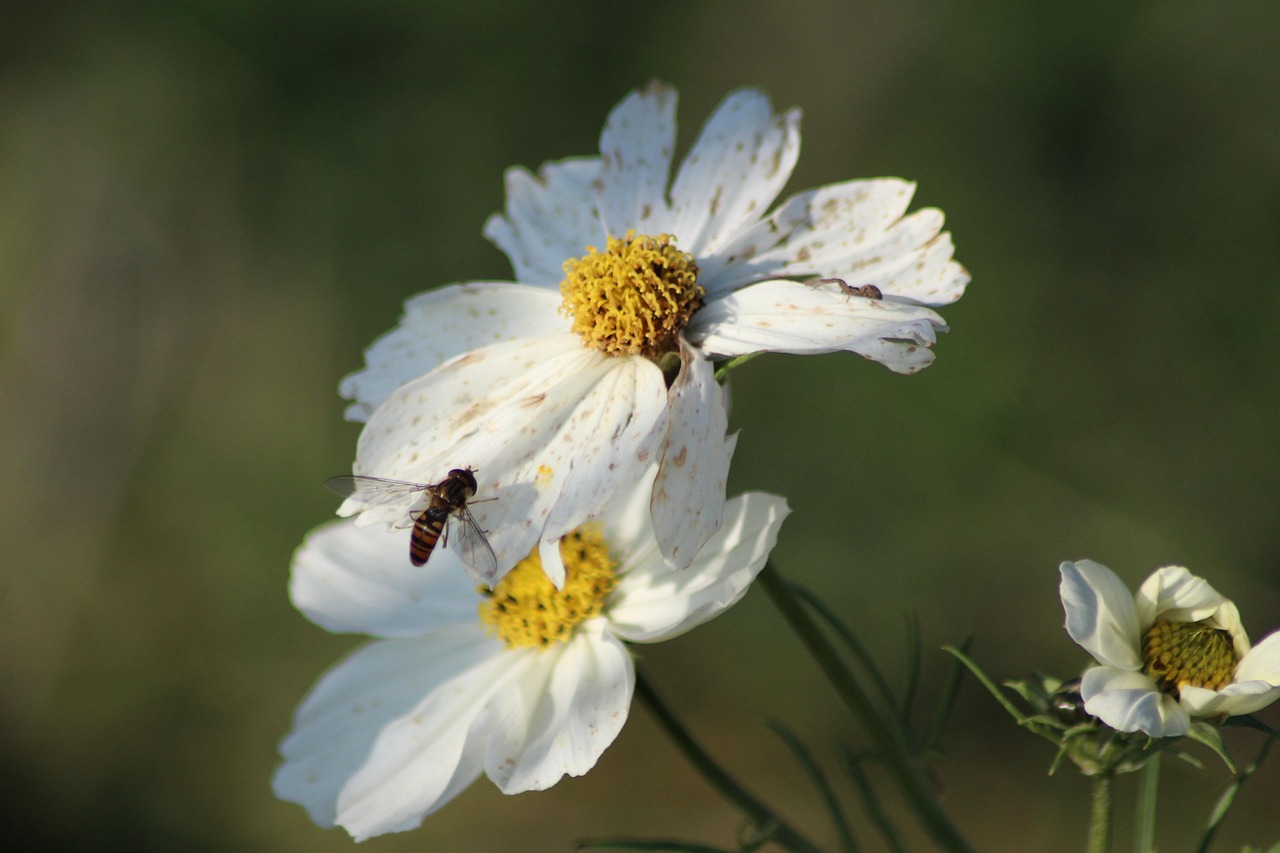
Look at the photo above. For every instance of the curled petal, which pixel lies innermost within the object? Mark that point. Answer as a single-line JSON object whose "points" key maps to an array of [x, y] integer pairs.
{"points": [[1101, 616], [570, 715], [789, 317], [1175, 594], [656, 601], [1130, 702], [688, 494]]}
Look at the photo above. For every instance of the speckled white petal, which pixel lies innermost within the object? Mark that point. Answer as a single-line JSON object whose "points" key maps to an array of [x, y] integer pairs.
{"points": [[339, 721], [549, 218], [789, 317], [1175, 594], [688, 494], [1129, 702], [570, 718], [553, 430], [636, 146], [351, 579], [1100, 613], [656, 601], [441, 324], [734, 171], [855, 231]]}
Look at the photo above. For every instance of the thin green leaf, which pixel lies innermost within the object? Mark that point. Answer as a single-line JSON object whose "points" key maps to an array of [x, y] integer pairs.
{"points": [[870, 802], [723, 370], [1207, 734], [986, 682], [913, 670], [819, 779], [669, 845], [1219, 813], [947, 701], [851, 641]]}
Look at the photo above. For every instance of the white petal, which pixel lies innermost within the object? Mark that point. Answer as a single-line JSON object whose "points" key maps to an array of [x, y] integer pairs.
{"points": [[574, 714], [688, 494], [628, 522], [549, 218], [343, 716], [552, 562], [636, 147], [655, 601], [1130, 702], [1175, 594], [441, 324], [789, 317], [735, 170], [1242, 697], [1101, 616], [1262, 663], [350, 579], [553, 429]]}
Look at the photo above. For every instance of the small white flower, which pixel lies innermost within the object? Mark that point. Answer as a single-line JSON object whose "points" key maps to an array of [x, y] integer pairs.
{"points": [[525, 685], [1174, 652], [562, 387]]}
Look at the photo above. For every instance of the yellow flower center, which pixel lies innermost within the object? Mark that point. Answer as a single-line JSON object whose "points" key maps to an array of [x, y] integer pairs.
{"points": [[1188, 654], [634, 297], [525, 609]]}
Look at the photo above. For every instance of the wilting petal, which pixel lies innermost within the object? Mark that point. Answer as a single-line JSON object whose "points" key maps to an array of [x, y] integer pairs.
{"points": [[441, 324], [344, 715], [735, 170], [350, 579], [656, 601], [1130, 702], [1175, 594], [636, 147], [789, 317], [688, 494], [573, 713], [549, 218], [1101, 616]]}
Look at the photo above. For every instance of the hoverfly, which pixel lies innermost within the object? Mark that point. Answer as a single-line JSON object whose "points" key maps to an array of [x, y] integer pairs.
{"points": [[866, 291], [445, 513]]}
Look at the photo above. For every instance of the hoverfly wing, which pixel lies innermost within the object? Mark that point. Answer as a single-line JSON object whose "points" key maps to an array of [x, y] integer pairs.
{"points": [[467, 540], [372, 491]]}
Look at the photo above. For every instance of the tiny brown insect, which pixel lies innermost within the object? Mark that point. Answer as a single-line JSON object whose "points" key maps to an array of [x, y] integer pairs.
{"points": [[444, 515], [866, 291]]}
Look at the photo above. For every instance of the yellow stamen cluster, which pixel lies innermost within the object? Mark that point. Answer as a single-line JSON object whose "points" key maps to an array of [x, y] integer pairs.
{"points": [[1188, 654], [525, 609], [634, 297]]}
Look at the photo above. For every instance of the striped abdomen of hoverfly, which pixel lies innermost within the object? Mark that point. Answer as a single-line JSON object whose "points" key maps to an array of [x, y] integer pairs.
{"points": [[448, 496]]}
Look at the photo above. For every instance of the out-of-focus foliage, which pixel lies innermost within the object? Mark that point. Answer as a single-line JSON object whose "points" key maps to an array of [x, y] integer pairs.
{"points": [[207, 209]]}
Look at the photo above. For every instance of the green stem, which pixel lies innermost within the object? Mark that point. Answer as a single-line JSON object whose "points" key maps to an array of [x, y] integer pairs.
{"points": [[904, 767], [1100, 814], [1144, 839], [770, 825]]}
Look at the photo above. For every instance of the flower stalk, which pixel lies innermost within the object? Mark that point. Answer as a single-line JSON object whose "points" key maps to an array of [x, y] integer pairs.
{"points": [[905, 768], [769, 824], [1100, 813]]}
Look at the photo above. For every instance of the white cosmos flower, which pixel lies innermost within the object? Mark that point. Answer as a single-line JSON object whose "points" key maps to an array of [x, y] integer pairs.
{"points": [[562, 387], [1175, 651], [525, 685]]}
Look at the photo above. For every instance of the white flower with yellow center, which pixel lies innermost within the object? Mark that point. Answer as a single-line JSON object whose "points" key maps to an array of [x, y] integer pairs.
{"points": [[1175, 651], [525, 684], [564, 386]]}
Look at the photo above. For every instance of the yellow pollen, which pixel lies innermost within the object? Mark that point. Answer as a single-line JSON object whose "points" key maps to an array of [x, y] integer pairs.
{"points": [[1188, 654], [525, 609], [634, 297]]}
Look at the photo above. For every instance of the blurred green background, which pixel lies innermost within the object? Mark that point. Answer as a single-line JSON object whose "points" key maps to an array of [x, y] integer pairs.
{"points": [[209, 208]]}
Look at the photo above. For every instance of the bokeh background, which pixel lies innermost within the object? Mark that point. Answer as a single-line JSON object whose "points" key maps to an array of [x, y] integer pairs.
{"points": [[208, 207]]}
